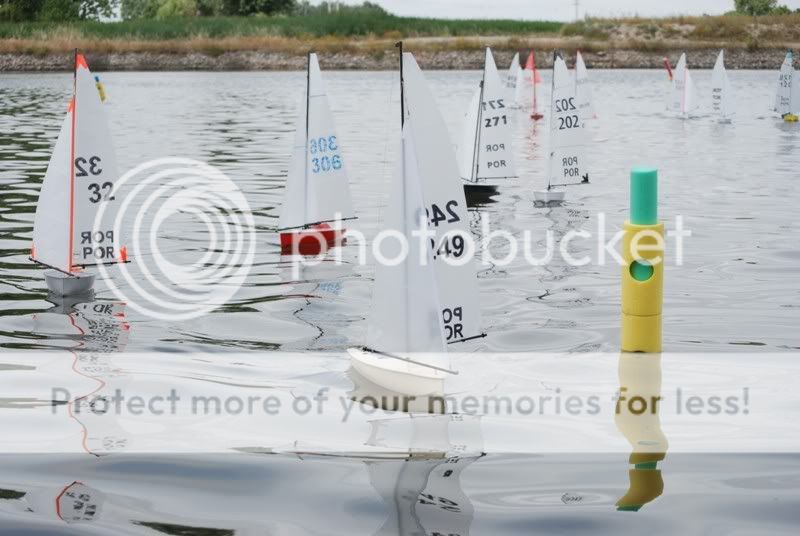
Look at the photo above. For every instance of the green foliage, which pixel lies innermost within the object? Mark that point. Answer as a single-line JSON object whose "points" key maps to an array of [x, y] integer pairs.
{"points": [[253, 7], [757, 8], [55, 10], [342, 24], [176, 8]]}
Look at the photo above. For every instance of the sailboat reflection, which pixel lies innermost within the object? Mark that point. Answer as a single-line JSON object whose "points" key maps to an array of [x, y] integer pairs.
{"points": [[87, 325], [94, 330], [637, 418], [418, 478]]}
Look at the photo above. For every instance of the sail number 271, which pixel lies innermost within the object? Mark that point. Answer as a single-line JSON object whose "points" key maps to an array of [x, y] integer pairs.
{"points": [[327, 156]]}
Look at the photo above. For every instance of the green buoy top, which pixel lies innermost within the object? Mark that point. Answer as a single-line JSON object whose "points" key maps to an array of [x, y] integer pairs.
{"points": [[644, 196]]}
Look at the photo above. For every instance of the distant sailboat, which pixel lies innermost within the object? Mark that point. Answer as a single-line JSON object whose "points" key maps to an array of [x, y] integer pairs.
{"points": [[485, 154], [683, 99], [533, 79], [721, 91], [583, 89], [787, 96], [317, 191], [513, 76], [78, 182], [567, 164], [422, 304]]}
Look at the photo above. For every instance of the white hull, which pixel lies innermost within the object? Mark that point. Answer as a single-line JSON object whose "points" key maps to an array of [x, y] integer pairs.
{"points": [[548, 196], [397, 375], [61, 284]]}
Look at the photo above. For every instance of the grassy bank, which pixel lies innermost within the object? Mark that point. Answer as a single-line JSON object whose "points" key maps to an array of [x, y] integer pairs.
{"points": [[336, 25], [736, 31]]}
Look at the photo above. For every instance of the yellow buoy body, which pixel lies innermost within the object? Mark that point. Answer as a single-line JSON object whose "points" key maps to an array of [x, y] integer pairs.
{"points": [[642, 295]]}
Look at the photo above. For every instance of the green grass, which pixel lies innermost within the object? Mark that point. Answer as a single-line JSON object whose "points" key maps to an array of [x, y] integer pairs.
{"points": [[340, 25]]}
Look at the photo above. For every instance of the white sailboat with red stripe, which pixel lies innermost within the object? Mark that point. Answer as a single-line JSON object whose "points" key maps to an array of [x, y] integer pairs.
{"points": [[317, 197], [68, 236], [683, 98]]}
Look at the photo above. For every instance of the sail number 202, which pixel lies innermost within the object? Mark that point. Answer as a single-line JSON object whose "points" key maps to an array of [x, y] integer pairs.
{"points": [[567, 121], [327, 156]]}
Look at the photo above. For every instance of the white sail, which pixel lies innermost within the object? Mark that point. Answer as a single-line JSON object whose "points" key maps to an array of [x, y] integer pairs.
{"points": [[486, 151], [721, 90], [513, 72], [567, 131], [682, 96], [95, 174], [787, 96], [521, 93], [79, 180], [582, 89], [405, 315], [317, 186], [443, 196], [51, 238]]}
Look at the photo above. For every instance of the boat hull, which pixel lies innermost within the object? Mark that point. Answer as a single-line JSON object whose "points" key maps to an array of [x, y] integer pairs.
{"points": [[397, 375], [548, 197], [61, 284], [312, 241]]}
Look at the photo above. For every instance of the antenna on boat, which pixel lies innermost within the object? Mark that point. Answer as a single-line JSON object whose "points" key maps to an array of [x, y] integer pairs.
{"points": [[399, 45]]}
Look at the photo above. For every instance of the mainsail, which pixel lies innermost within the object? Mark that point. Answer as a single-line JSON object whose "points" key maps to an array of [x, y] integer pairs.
{"points": [[721, 91], [317, 189], [787, 96], [567, 132], [583, 90], [486, 151], [682, 95], [79, 181]]}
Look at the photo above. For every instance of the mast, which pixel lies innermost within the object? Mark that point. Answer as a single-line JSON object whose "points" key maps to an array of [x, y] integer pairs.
{"points": [[399, 45], [552, 94], [305, 160], [476, 148], [72, 159]]}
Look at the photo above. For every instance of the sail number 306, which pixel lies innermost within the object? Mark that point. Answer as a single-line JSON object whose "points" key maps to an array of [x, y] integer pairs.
{"points": [[328, 158]]}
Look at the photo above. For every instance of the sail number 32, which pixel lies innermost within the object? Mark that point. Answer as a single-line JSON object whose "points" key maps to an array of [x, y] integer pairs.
{"points": [[85, 167], [328, 158]]}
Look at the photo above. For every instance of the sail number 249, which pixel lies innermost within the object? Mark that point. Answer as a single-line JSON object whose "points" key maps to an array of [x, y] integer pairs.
{"points": [[327, 156], [85, 167]]}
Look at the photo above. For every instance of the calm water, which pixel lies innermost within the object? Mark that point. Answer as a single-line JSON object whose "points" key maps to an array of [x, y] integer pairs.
{"points": [[734, 185]]}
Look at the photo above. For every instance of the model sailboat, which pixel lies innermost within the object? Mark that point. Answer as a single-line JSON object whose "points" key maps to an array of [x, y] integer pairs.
{"points": [[533, 79], [485, 154], [67, 234], [583, 90], [423, 303], [512, 78], [683, 100], [567, 165], [787, 96], [721, 91], [317, 197]]}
